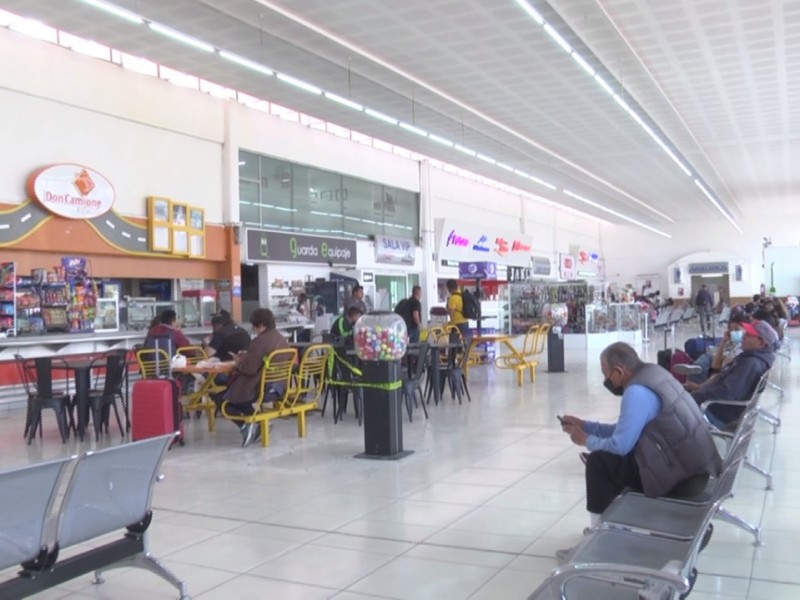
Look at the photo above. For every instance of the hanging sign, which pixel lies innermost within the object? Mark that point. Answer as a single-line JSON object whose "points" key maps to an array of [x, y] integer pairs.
{"points": [[477, 270], [475, 243], [567, 266], [72, 191], [394, 250], [273, 246]]}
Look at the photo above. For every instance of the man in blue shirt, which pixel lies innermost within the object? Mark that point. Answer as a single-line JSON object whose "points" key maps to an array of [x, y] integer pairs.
{"points": [[660, 445]]}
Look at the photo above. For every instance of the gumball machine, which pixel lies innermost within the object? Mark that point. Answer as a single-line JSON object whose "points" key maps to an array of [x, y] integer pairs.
{"points": [[381, 341]]}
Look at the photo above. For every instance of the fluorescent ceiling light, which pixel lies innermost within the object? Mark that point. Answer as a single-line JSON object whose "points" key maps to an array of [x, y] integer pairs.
{"points": [[465, 150], [298, 83], [247, 63], [541, 182], [604, 85], [344, 101], [678, 162], [440, 140], [714, 201], [521, 174], [615, 213], [413, 129], [531, 11], [506, 167], [557, 37], [116, 11], [487, 159], [584, 65], [380, 116], [624, 105], [180, 37]]}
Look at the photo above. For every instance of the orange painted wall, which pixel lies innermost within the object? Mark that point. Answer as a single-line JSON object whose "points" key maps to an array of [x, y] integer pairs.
{"points": [[58, 237]]}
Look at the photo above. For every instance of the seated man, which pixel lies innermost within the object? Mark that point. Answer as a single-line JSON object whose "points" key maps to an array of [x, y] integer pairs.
{"points": [[342, 329], [246, 378], [227, 340], [708, 365], [737, 380], [165, 334], [660, 445]]}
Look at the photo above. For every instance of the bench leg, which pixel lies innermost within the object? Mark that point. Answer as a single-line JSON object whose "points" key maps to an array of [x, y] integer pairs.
{"points": [[212, 418], [301, 424], [150, 563], [520, 375], [264, 433], [532, 369]]}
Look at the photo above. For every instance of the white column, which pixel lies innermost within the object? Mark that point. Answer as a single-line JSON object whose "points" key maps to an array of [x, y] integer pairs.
{"points": [[427, 241]]}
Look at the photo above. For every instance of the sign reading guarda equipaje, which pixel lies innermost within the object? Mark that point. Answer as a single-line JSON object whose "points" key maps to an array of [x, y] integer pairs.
{"points": [[273, 246]]}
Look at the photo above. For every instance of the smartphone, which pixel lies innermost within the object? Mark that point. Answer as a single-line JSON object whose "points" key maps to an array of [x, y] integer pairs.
{"points": [[560, 419]]}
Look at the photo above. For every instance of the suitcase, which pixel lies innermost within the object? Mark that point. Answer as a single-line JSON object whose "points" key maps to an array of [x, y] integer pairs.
{"points": [[679, 358], [664, 357], [156, 409]]}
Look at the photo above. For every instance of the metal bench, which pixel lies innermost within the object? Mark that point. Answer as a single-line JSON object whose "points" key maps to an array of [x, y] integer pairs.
{"points": [[109, 490]]}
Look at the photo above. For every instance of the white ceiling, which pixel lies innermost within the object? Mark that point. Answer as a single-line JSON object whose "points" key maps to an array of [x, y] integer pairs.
{"points": [[719, 78]]}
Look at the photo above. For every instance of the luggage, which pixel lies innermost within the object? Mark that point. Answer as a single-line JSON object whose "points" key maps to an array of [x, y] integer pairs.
{"points": [[664, 357], [679, 358], [156, 409], [696, 347]]}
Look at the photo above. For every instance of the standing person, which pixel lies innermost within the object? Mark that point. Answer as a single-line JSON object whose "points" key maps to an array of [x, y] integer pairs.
{"points": [[246, 377], [356, 298], [703, 302], [660, 445], [411, 311], [455, 308]]}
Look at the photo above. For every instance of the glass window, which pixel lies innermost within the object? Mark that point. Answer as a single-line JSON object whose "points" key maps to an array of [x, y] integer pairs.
{"points": [[248, 166], [290, 197]]}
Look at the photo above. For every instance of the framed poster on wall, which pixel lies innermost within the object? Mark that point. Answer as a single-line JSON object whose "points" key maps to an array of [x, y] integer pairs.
{"points": [[180, 241]]}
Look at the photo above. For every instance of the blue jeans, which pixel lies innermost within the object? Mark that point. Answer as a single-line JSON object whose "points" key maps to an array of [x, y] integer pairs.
{"points": [[704, 362], [413, 335]]}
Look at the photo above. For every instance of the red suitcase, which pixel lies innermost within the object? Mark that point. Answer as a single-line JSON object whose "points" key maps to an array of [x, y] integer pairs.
{"points": [[156, 409]]}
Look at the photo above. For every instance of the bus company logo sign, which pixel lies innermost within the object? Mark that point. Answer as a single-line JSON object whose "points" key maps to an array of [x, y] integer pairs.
{"points": [[72, 191]]}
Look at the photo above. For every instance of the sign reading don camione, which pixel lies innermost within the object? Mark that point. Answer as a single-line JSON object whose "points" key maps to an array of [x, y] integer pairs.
{"points": [[273, 246]]}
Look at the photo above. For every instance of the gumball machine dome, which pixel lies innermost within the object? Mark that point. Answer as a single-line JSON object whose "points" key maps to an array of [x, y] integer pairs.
{"points": [[380, 336], [556, 314]]}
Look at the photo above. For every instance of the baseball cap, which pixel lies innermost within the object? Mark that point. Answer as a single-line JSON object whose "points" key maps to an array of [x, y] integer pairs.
{"points": [[763, 330]]}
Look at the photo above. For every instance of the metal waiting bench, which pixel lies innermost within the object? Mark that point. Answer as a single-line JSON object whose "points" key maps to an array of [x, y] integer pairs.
{"points": [[108, 490], [646, 548]]}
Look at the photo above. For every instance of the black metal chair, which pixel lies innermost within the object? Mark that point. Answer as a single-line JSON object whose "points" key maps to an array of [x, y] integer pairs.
{"points": [[103, 399], [412, 379], [37, 378]]}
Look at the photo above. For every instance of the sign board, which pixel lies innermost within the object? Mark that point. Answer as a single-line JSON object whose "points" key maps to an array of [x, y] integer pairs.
{"points": [[567, 267], [541, 265], [273, 246], [394, 250], [475, 243], [708, 268], [477, 270], [72, 191]]}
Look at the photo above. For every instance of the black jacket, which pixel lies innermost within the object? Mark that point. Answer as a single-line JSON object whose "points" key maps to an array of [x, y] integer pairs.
{"points": [[736, 381]]}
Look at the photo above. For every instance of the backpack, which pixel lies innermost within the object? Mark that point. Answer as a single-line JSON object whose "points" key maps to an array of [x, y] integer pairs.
{"points": [[403, 309], [471, 310]]}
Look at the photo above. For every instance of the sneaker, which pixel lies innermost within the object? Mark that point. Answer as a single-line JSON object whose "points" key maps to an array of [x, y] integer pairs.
{"points": [[584, 456], [687, 369], [248, 434], [257, 435]]}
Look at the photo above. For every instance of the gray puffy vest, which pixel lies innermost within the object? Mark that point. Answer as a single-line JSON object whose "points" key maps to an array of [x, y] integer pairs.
{"points": [[677, 443]]}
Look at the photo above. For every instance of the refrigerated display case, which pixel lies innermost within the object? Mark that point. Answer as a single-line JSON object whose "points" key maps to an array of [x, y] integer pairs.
{"points": [[107, 317]]}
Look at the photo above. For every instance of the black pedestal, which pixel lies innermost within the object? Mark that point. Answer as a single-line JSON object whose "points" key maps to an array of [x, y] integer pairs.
{"points": [[555, 353], [383, 412]]}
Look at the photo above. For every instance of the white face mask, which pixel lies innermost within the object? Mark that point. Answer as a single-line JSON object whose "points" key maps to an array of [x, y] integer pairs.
{"points": [[737, 336]]}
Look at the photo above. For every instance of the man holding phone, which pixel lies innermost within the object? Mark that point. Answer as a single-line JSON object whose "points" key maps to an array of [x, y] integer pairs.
{"points": [[660, 445]]}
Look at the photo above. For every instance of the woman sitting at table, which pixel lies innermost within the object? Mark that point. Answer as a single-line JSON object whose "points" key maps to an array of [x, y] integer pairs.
{"points": [[243, 389]]}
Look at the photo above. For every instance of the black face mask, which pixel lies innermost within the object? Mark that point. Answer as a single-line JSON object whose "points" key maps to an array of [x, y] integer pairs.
{"points": [[616, 390]]}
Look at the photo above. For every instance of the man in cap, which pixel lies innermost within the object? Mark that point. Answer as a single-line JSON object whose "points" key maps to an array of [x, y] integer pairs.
{"points": [[737, 380]]}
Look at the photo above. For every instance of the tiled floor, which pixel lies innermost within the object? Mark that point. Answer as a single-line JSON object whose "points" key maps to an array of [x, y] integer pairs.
{"points": [[491, 491]]}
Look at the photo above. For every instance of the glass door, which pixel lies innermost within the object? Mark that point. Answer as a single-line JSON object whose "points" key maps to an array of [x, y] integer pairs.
{"points": [[389, 290]]}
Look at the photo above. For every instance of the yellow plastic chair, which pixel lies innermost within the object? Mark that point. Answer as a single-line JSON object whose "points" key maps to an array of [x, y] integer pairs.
{"points": [[307, 387], [153, 362], [277, 370], [527, 358]]}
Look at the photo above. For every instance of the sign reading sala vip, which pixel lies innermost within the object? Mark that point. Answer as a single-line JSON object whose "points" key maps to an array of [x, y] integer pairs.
{"points": [[274, 246], [72, 191]]}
